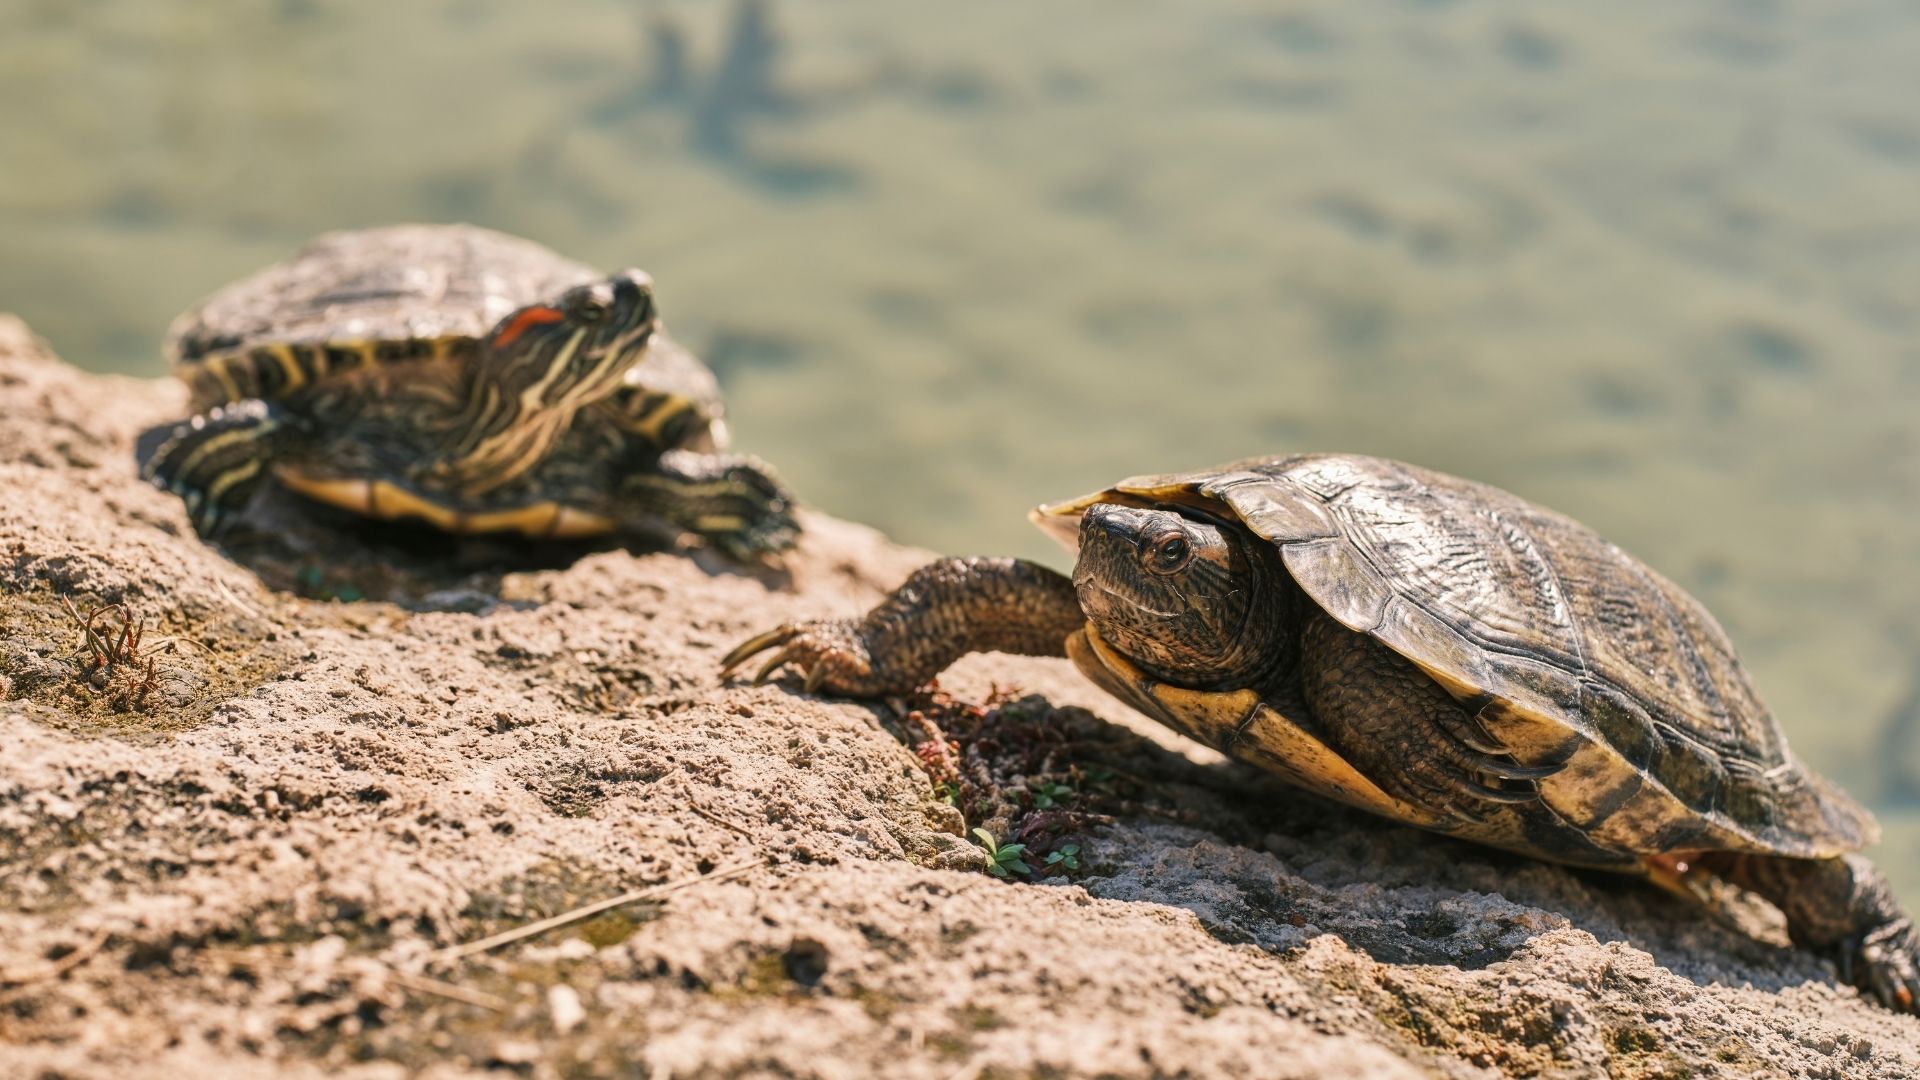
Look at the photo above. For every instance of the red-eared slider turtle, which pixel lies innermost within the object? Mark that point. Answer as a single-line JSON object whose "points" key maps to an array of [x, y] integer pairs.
{"points": [[469, 379], [1424, 647]]}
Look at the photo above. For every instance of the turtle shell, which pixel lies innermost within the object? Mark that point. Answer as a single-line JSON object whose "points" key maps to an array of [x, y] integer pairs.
{"points": [[393, 293], [352, 300], [1569, 649]]}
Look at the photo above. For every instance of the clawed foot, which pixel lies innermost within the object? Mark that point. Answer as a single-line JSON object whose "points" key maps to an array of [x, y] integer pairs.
{"points": [[1466, 772], [1885, 963], [1475, 765], [830, 652], [734, 502]]}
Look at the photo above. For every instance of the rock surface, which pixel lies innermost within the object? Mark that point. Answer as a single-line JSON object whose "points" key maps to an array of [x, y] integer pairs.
{"points": [[357, 747]]}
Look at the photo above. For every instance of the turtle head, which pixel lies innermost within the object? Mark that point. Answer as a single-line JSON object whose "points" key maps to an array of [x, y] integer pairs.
{"points": [[564, 353], [1188, 601]]}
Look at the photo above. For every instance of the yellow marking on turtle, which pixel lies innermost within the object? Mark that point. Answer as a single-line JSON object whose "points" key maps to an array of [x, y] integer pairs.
{"points": [[525, 439], [513, 452], [290, 367], [354, 495], [394, 503], [217, 366], [719, 523], [363, 353], [390, 502], [531, 399], [1240, 724], [482, 419], [651, 421], [226, 481], [215, 443], [489, 406], [447, 396], [531, 521], [543, 520], [570, 523], [668, 483]]}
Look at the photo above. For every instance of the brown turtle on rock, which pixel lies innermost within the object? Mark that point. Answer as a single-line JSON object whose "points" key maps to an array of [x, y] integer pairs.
{"points": [[465, 378], [1434, 650]]}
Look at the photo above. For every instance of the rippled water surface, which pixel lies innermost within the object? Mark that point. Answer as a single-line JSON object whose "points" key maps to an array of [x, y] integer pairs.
{"points": [[1653, 264]]}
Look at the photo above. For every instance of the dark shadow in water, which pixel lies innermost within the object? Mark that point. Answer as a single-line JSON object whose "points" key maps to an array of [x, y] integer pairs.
{"points": [[722, 102]]}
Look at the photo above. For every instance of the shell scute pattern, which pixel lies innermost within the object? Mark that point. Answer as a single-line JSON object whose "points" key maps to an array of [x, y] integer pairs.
{"points": [[1462, 560], [1582, 655], [1519, 580], [1271, 509], [1412, 630], [1336, 575], [355, 300]]}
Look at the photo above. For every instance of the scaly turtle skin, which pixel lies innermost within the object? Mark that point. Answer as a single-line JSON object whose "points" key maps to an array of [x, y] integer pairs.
{"points": [[1434, 650], [462, 377]]}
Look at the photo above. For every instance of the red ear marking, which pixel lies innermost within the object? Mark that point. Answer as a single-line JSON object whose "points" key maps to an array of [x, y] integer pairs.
{"points": [[524, 321]]}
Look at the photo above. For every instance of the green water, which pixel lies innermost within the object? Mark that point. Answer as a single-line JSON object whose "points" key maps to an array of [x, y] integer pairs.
{"points": [[1653, 264]]}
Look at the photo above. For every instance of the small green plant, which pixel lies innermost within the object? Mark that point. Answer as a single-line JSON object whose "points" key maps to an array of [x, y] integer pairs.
{"points": [[313, 584], [1096, 778], [1047, 795], [947, 792], [1066, 857], [1005, 859]]}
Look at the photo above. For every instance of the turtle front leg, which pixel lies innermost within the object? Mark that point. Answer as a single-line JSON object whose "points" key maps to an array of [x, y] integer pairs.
{"points": [[1842, 908], [732, 501], [216, 461], [942, 612]]}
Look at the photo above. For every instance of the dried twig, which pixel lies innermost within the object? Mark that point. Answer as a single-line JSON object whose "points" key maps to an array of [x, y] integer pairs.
{"points": [[53, 969], [720, 821], [508, 937], [239, 604], [452, 991]]}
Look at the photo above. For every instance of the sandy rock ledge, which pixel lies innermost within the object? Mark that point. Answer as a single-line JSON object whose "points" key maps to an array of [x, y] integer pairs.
{"points": [[359, 746]]}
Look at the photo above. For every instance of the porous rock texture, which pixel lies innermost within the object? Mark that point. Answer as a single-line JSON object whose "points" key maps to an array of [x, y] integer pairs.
{"points": [[359, 746]]}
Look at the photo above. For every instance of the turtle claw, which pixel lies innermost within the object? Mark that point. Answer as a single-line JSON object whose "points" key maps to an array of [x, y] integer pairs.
{"points": [[1509, 796], [773, 664], [1503, 767], [1470, 732], [1885, 963], [830, 654], [744, 651], [1512, 770], [1478, 764]]}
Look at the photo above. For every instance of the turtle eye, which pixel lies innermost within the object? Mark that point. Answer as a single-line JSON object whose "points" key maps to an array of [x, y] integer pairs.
{"points": [[588, 306], [1169, 554]]}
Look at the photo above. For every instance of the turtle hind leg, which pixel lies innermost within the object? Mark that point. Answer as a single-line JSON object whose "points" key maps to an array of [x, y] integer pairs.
{"points": [[732, 501], [1404, 731], [1841, 907], [217, 460]]}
